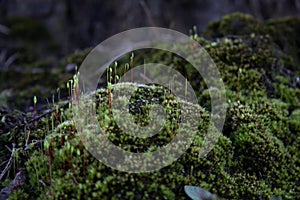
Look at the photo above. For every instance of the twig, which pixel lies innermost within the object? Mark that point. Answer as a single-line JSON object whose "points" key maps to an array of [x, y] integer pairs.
{"points": [[43, 183], [9, 163], [10, 60], [42, 115], [148, 13], [74, 179], [9, 149], [27, 139]]}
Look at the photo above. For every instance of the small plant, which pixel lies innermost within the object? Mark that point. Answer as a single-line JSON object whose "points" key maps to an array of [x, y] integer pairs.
{"points": [[34, 107], [131, 66]]}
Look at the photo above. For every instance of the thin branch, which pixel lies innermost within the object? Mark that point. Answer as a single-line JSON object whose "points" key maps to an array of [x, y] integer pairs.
{"points": [[42, 115], [43, 183], [10, 60], [148, 13], [9, 163]]}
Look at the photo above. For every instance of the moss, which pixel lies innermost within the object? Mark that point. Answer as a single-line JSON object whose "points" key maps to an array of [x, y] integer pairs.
{"points": [[234, 24], [258, 151], [256, 157], [248, 158], [283, 32], [40, 83], [295, 121]]}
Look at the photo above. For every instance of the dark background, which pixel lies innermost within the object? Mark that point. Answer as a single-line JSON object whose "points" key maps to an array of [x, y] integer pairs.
{"points": [[78, 24], [41, 41]]}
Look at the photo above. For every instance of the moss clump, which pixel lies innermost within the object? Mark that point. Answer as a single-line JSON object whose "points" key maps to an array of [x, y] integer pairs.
{"points": [[234, 24], [283, 32], [295, 121]]}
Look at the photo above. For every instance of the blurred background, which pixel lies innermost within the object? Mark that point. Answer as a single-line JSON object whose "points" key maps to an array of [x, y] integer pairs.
{"points": [[78, 24], [41, 41]]}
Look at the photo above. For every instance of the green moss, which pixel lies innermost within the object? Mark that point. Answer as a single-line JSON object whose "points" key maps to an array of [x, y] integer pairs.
{"points": [[234, 24], [256, 157], [295, 121], [250, 157], [283, 32]]}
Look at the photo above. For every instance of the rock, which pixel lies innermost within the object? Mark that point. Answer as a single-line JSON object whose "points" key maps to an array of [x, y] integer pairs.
{"points": [[18, 181]]}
